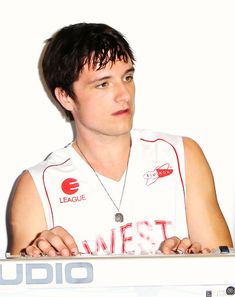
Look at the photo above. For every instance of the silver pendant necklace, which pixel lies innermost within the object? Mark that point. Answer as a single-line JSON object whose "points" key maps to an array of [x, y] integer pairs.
{"points": [[118, 217]]}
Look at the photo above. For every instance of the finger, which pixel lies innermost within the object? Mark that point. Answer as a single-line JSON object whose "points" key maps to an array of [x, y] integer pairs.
{"points": [[67, 239], [33, 251], [46, 247], [51, 244], [195, 248], [169, 245], [206, 251], [183, 245]]}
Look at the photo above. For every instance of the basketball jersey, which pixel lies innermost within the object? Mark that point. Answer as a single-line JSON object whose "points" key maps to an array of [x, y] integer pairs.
{"points": [[153, 202]]}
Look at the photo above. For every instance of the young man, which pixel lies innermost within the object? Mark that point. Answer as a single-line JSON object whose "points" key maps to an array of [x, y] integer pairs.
{"points": [[113, 190]]}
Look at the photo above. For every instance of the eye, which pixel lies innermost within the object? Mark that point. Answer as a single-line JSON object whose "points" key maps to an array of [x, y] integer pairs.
{"points": [[102, 85], [129, 77]]}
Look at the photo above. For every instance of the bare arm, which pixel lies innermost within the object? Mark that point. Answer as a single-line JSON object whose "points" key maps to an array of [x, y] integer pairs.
{"points": [[206, 223], [26, 214], [28, 225]]}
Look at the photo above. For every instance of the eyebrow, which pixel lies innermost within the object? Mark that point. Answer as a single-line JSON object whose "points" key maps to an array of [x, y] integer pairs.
{"points": [[132, 69]]}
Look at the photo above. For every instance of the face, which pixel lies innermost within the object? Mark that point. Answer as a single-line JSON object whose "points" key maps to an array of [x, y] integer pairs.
{"points": [[104, 101]]}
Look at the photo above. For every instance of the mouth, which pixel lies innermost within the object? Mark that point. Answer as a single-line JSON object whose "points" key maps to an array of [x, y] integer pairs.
{"points": [[121, 112]]}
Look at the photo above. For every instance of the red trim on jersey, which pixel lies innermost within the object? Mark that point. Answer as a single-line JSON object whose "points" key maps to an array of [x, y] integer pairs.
{"points": [[177, 158], [45, 188]]}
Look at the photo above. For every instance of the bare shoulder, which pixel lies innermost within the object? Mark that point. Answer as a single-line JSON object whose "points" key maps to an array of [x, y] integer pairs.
{"points": [[197, 169], [192, 148], [25, 190], [189, 142], [195, 159], [25, 180]]}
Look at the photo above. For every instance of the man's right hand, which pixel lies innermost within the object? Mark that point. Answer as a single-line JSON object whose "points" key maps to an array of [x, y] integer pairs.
{"points": [[54, 242]]}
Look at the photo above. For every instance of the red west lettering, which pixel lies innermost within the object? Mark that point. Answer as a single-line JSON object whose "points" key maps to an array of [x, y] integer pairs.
{"points": [[124, 238], [163, 225], [112, 241], [143, 228], [86, 247], [144, 223], [101, 243]]}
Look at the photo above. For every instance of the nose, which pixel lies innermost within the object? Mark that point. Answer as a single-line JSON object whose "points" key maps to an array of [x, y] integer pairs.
{"points": [[124, 92]]}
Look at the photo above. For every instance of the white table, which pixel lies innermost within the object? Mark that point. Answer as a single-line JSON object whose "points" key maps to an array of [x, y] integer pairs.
{"points": [[118, 276]]}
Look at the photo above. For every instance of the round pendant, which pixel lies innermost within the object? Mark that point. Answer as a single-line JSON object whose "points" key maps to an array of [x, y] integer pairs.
{"points": [[119, 217]]}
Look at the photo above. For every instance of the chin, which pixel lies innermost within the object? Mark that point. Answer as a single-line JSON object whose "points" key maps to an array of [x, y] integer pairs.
{"points": [[123, 131]]}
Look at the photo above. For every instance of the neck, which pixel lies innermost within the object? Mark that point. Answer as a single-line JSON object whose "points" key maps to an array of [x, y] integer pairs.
{"points": [[107, 155]]}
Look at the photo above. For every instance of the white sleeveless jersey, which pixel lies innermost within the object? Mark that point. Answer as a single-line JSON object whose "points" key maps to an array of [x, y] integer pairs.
{"points": [[153, 202]]}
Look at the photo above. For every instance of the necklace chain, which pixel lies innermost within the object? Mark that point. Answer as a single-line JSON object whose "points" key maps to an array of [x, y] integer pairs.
{"points": [[118, 216]]}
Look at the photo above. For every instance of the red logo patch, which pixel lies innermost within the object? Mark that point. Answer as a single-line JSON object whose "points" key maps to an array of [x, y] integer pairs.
{"points": [[159, 172], [70, 186]]}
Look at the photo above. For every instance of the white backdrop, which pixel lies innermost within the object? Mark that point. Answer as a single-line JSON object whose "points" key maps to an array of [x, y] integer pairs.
{"points": [[185, 73]]}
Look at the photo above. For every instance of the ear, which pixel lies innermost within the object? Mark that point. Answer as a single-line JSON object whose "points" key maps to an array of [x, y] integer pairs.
{"points": [[64, 99]]}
